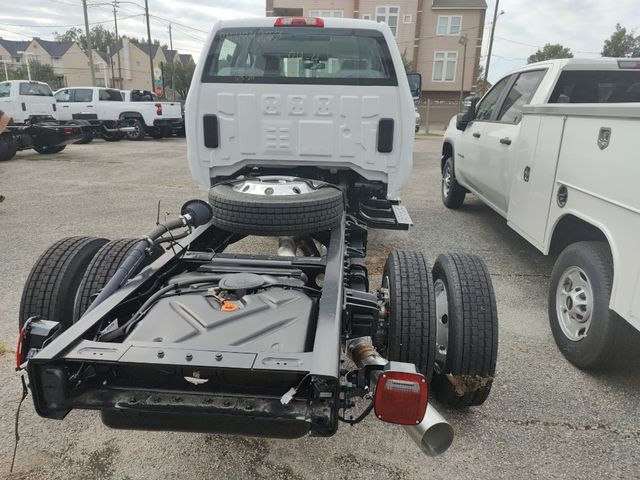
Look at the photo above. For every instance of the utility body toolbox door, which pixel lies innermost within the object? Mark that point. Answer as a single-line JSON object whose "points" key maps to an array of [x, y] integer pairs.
{"points": [[534, 173]]}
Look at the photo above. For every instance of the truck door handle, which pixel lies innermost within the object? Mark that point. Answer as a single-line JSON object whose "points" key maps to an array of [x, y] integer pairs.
{"points": [[476, 134], [89, 106], [505, 141]]}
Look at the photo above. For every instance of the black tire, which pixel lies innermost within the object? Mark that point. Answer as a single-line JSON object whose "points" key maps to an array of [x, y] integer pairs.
{"points": [[87, 138], [100, 270], [157, 133], [452, 193], [276, 215], [51, 287], [411, 314], [465, 376], [608, 334], [140, 130], [113, 136], [49, 150], [8, 147]]}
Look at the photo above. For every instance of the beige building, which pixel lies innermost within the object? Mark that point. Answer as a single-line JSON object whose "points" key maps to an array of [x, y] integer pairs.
{"points": [[428, 33]]}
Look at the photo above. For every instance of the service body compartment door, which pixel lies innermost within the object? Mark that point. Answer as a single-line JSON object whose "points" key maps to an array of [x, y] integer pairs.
{"points": [[534, 173]]}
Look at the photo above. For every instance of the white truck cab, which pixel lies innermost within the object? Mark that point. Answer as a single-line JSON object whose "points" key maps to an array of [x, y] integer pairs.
{"points": [[23, 100], [326, 95], [552, 148]]}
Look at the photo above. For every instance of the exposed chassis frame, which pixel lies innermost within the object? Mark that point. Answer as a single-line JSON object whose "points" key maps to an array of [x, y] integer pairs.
{"points": [[184, 410]]}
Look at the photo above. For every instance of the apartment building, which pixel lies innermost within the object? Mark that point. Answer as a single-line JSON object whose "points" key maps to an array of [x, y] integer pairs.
{"points": [[430, 34]]}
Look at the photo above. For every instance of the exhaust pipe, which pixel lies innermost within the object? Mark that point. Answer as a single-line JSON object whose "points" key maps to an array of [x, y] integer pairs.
{"points": [[434, 435]]}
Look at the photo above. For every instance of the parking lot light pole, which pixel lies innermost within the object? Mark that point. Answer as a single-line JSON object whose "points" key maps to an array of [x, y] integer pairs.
{"points": [[463, 40]]}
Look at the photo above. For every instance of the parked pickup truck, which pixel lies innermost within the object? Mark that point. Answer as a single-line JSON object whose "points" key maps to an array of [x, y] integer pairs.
{"points": [[107, 106], [552, 148], [31, 107], [173, 120]]}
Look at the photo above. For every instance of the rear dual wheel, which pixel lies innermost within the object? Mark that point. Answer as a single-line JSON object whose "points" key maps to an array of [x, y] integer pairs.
{"points": [[445, 322], [49, 150], [8, 147]]}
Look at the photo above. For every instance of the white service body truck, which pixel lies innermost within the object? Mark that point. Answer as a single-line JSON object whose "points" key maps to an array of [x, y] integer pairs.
{"points": [[107, 105], [552, 148]]}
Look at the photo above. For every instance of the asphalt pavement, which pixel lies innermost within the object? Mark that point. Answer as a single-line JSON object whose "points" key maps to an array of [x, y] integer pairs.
{"points": [[543, 419]]}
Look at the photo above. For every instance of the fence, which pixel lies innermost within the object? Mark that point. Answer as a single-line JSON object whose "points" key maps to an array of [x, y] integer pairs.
{"points": [[436, 114]]}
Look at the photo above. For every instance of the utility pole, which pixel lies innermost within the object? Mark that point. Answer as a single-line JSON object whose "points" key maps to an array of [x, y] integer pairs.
{"points": [[493, 29], [86, 30], [115, 22], [463, 40], [6, 71], [173, 68], [146, 12], [113, 75]]}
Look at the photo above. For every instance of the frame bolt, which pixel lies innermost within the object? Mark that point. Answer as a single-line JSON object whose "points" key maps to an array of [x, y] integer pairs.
{"points": [[218, 356], [189, 357], [160, 354]]}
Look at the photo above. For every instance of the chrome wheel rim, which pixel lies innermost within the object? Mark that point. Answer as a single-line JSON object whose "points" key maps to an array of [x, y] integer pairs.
{"points": [[574, 303], [447, 180], [442, 324], [274, 185]]}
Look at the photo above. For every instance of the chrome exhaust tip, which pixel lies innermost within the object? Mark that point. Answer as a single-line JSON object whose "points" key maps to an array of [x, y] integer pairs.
{"points": [[434, 435]]}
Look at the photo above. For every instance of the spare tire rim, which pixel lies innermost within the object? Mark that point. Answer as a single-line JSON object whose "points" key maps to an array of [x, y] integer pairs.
{"points": [[574, 303], [275, 185], [447, 178], [442, 324]]}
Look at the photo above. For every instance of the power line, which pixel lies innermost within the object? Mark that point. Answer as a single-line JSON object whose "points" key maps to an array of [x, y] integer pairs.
{"points": [[72, 24]]}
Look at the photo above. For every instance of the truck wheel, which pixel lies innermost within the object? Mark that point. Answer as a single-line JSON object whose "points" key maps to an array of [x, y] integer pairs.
{"points": [[275, 205], [49, 150], [587, 333], [113, 136], [100, 270], [156, 133], [452, 193], [139, 131], [467, 330], [51, 286], [411, 316], [87, 138], [8, 147]]}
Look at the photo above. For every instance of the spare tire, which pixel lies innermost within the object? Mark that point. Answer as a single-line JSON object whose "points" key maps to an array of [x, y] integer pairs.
{"points": [[275, 206]]}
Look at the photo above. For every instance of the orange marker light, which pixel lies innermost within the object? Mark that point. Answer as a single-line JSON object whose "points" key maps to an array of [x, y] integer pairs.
{"points": [[228, 306]]}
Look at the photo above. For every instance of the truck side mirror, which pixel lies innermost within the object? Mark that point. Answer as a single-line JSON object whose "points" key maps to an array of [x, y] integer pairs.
{"points": [[468, 114], [415, 84]]}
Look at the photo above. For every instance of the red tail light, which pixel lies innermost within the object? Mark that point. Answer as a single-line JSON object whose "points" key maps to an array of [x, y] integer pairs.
{"points": [[299, 22], [401, 398], [158, 109], [68, 130], [21, 334]]}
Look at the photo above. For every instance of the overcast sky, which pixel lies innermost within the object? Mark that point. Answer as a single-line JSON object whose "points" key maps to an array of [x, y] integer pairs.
{"points": [[581, 25]]}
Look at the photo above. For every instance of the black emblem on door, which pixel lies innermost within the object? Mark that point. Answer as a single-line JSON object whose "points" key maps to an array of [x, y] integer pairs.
{"points": [[604, 137], [525, 175]]}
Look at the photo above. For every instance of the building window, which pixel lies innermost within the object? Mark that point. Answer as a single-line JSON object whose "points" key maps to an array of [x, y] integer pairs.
{"points": [[406, 19], [444, 66], [388, 15], [449, 25], [366, 16], [326, 13]]}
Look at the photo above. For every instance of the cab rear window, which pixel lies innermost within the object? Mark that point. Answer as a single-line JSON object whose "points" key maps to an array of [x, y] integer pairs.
{"points": [[604, 86], [35, 89], [300, 55]]}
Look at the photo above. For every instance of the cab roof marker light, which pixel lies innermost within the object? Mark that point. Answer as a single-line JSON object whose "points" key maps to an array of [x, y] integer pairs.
{"points": [[634, 64], [298, 22]]}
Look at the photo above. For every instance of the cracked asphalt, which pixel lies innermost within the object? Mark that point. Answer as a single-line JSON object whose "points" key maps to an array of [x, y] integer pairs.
{"points": [[543, 419]]}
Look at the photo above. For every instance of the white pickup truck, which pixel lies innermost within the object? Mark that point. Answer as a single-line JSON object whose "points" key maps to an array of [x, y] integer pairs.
{"points": [[551, 147], [107, 105]]}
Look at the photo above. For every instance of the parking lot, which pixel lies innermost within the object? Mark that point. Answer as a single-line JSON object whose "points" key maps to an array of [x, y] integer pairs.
{"points": [[544, 418]]}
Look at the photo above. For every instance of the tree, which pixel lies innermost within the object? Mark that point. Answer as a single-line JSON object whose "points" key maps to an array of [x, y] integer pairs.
{"points": [[100, 37], [621, 44], [481, 83], [183, 75], [550, 52], [408, 64], [39, 71]]}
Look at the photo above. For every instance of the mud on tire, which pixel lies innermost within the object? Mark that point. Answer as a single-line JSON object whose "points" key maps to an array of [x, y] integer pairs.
{"points": [[464, 371]]}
